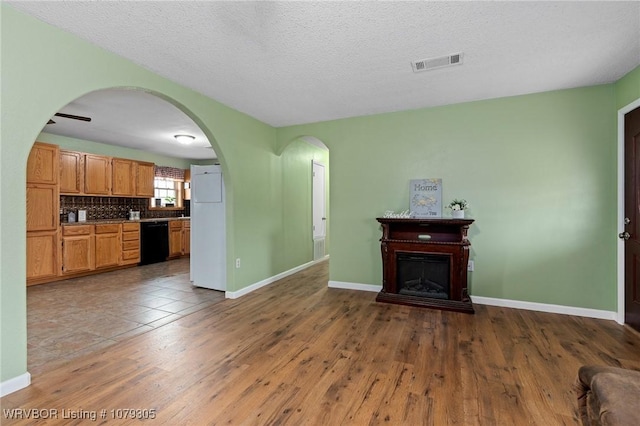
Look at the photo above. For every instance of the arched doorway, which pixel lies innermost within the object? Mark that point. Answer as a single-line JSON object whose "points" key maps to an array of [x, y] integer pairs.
{"points": [[307, 200], [116, 130]]}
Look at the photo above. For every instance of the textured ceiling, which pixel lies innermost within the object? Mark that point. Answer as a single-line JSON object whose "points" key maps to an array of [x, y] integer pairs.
{"points": [[288, 63]]}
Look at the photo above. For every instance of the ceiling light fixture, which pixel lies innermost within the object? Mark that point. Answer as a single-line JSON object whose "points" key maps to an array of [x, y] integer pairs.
{"points": [[185, 139]]}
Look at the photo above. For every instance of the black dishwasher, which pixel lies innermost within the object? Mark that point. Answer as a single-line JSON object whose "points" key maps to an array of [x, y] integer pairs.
{"points": [[155, 242]]}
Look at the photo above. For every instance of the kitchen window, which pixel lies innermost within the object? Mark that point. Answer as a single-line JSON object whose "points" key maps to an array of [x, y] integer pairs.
{"points": [[167, 188]]}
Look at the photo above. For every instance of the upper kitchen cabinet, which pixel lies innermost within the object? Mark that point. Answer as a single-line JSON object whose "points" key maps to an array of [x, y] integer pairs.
{"points": [[144, 179], [123, 177], [89, 174], [97, 175], [71, 172], [42, 165]]}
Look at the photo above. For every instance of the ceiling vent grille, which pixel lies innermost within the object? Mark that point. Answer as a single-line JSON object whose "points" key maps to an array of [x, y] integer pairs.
{"points": [[440, 62]]}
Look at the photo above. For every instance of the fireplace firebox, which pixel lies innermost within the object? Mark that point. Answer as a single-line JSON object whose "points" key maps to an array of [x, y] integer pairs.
{"points": [[424, 263]]}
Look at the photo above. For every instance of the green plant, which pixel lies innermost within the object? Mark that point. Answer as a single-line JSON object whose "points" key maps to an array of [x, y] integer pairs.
{"points": [[458, 204]]}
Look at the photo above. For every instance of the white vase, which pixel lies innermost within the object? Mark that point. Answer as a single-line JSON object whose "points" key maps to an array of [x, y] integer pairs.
{"points": [[457, 214]]}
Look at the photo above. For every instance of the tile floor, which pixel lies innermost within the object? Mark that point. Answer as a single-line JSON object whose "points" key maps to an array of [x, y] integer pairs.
{"points": [[70, 318]]}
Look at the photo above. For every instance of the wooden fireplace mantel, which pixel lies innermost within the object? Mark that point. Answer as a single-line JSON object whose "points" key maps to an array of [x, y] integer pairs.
{"points": [[440, 237]]}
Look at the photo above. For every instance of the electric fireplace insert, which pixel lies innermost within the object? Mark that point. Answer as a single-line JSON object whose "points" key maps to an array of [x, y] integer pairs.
{"points": [[424, 263]]}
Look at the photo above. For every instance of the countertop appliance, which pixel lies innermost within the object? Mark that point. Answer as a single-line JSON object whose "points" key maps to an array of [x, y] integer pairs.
{"points": [[208, 231], [154, 242]]}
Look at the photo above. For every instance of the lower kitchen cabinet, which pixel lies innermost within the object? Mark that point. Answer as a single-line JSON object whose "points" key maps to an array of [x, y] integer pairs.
{"points": [[186, 237], [78, 247], [42, 256], [130, 243], [179, 238], [107, 245], [175, 238]]}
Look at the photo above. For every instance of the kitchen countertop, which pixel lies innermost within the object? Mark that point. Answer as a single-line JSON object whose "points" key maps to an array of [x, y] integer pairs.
{"points": [[101, 221]]}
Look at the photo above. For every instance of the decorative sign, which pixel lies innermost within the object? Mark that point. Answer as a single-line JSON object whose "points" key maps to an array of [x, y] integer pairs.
{"points": [[425, 198]]}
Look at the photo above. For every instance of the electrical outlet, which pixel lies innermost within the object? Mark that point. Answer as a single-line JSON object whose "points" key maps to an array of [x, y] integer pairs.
{"points": [[238, 263], [470, 266]]}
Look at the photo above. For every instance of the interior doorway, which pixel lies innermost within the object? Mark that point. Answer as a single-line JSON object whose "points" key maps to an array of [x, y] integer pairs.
{"points": [[631, 233], [623, 169], [83, 312], [319, 210]]}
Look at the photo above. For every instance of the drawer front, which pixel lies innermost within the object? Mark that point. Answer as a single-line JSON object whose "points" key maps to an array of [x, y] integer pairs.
{"points": [[186, 224], [131, 236], [130, 255], [110, 228], [175, 224], [126, 226], [77, 229], [131, 245]]}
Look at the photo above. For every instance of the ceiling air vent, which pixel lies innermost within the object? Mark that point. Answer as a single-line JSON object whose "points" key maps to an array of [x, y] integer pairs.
{"points": [[433, 63]]}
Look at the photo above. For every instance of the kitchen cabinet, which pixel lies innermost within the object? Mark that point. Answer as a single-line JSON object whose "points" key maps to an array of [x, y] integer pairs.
{"points": [[107, 245], [97, 175], [186, 237], [71, 172], [179, 238], [175, 238], [89, 174], [130, 243], [78, 246], [123, 177], [43, 196], [145, 173], [43, 163], [43, 203], [42, 256]]}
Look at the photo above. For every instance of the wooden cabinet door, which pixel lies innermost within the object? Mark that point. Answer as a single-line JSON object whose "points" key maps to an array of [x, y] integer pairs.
{"points": [[42, 165], [108, 246], [71, 172], [97, 175], [186, 237], [43, 203], [108, 249], [42, 255], [145, 173], [77, 254], [123, 172], [175, 238]]}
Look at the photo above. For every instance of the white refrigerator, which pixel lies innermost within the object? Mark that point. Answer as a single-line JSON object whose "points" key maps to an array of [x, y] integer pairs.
{"points": [[208, 231]]}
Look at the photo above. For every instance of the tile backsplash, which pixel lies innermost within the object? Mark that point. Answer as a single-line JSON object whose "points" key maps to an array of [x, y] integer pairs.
{"points": [[102, 208]]}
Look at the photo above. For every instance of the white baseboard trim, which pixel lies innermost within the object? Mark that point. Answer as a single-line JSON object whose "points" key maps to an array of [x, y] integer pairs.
{"points": [[15, 384], [505, 303], [267, 281], [544, 307], [355, 286]]}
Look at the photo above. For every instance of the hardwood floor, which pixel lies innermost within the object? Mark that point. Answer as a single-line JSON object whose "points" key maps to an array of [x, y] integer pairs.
{"points": [[297, 352]]}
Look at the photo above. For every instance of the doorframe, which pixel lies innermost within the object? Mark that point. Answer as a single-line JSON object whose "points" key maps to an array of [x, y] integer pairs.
{"points": [[324, 196], [620, 227]]}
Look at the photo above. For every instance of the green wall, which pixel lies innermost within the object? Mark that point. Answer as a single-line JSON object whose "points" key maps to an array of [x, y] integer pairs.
{"points": [[538, 171], [297, 178], [43, 69], [628, 88]]}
